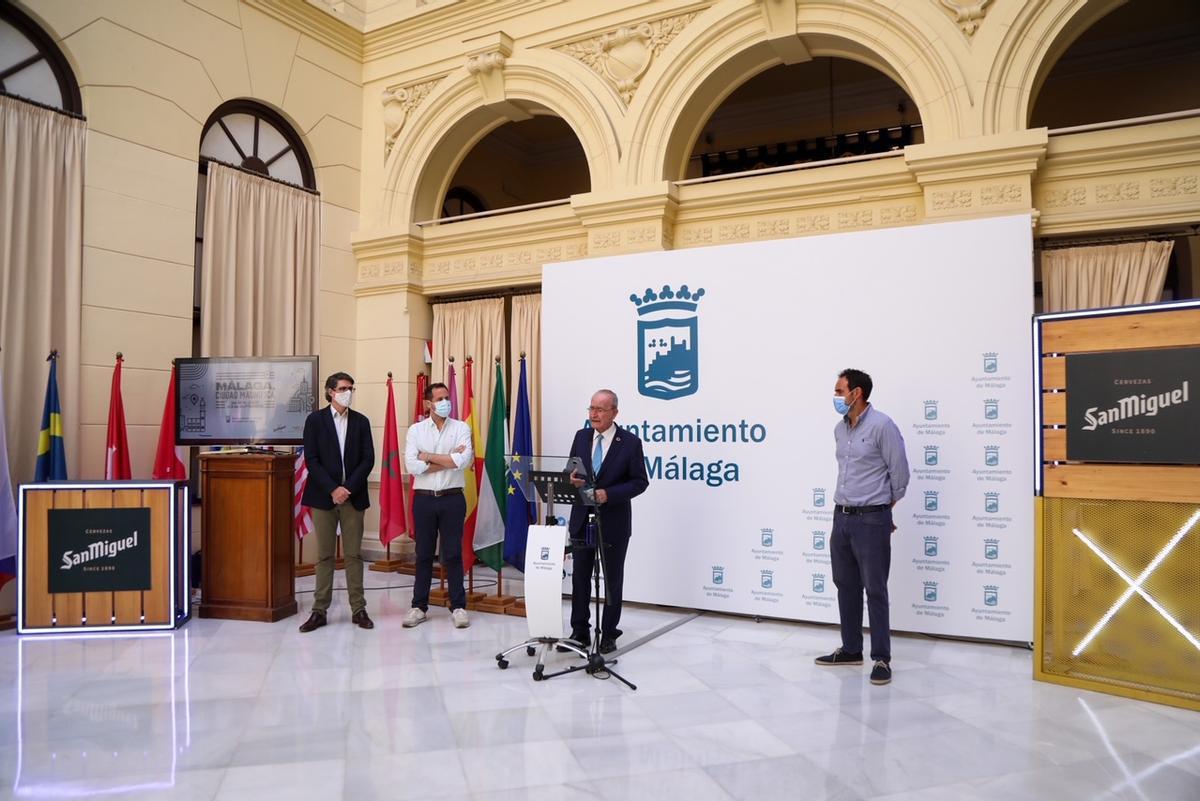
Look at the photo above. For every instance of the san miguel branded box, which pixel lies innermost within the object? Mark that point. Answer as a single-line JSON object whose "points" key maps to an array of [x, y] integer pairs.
{"points": [[1134, 406]]}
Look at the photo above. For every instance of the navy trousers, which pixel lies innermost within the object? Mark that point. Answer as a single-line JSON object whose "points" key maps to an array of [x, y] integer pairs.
{"points": [[860, 552], [444, 515]]}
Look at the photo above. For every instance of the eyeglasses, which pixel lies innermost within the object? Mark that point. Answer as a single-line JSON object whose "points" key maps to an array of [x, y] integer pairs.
{"points": [[344, 389], [598, 409]]}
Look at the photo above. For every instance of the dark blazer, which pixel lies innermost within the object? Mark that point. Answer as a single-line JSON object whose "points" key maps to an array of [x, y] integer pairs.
{"points": [[324, 459], [622, 476]]}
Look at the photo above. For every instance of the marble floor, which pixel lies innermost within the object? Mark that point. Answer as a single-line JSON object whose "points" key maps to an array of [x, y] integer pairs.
{"points": [[725, 708]]}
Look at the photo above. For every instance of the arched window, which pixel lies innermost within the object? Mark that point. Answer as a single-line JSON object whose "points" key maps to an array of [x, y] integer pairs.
{"points": [[459, 201], [249, 135], [31, 65]]}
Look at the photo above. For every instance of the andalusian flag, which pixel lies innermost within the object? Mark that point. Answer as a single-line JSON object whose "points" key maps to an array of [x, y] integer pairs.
{"points": [[52, 453], [474, 470], [489, 525]]}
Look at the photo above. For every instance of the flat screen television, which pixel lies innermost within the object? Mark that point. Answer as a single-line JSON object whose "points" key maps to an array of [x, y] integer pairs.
{"points": [[253, 401]]}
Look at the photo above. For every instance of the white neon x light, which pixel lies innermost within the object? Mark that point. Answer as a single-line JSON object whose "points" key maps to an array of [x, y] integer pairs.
{"points": [[1135, 585]]}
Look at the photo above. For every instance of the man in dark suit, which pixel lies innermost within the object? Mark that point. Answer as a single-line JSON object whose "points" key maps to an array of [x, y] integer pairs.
{"points": [[339, 454], [617, 470]]}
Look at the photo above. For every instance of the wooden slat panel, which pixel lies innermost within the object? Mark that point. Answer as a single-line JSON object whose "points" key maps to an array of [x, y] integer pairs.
{"points": [[1054, 444], [157, 600], [1123, 482], [68, 606], [39, 609], [98, 606], [1162, 329], [1054, 372], [1054, 409], [127, 606]]}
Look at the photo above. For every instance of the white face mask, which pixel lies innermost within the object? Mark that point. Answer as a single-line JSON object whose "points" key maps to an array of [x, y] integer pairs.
{"points": [[344, 398]]}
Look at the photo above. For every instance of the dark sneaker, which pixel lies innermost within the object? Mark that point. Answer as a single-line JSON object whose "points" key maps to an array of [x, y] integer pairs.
{"points": [[314, 622], [608, 644], [838, 658], [881, 673], [583, 638]]}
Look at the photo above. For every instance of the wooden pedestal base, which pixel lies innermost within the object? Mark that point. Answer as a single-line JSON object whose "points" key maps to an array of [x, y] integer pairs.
{"points": [[518, 608], [225, 611], [496, 604]]}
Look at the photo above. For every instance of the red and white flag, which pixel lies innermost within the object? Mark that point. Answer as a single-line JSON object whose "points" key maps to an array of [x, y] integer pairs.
{"points": [[301, 513], [391, 482], [418, 416], [116, 448], [168, 459]]}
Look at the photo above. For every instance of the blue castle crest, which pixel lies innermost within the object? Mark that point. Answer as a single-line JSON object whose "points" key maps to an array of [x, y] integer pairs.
{"points": [[991, 549], [991, 595], [930, 594], [545, 554], [668, 361], [718, 574], [818, 540], [991, 503], [767, 579], [818, 582], [991, 409], [818, 496], [991, 455], [768, 537], [931, 500], [931, 546], [931, 455], [931, 410], [990, 364]]}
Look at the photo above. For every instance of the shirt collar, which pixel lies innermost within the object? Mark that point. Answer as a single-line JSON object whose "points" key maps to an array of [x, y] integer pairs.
{"points": [[343, 416]]}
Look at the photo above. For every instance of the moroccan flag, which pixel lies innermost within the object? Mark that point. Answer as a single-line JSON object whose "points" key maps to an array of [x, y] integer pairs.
{"points": [[418, 415], [474, 471], [168, 459], [521, 510], [52, 452], [489, 523], [116, 445], [391, 482], [8, 507]]}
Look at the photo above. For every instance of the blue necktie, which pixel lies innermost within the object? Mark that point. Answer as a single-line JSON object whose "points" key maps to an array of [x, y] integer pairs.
{"points": [[597, 456]]}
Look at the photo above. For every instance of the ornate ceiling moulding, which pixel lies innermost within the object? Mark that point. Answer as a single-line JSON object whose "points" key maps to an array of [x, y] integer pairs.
{"points": [[398, 104], [967, 15], [623, 56]]}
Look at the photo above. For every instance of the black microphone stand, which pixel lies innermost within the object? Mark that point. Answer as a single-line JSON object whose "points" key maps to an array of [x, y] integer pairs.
{"points": [[597, 664]]}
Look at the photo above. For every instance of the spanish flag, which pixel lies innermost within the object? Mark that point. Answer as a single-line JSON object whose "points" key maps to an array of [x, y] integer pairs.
{"points": [[52, 453]]}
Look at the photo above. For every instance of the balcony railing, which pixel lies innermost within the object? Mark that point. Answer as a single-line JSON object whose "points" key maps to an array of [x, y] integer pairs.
{"points": [[802, 151]]}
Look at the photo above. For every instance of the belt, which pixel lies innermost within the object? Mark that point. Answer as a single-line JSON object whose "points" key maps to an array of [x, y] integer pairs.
{"points": [[439, 493], [862, 510]]}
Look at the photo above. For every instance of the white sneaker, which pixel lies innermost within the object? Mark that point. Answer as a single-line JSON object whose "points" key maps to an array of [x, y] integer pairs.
{"points": [[459, 616], [415, 617]]}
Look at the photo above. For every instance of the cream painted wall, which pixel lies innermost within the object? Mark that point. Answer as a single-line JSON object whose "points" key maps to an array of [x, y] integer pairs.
{"points": [[151, 73]]}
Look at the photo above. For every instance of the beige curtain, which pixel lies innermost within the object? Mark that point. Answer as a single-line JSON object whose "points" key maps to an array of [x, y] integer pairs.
{"points": [[526, 336], [1107, 275], [41, 268], [260, 270], [472, 328]]}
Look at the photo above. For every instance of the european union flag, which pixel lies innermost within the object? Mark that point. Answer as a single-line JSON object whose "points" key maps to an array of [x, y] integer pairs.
{"points": [[519, 514], [52, 453]]}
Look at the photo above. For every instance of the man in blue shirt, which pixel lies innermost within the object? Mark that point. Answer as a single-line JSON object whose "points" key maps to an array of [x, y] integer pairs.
{"points": [[872, 476]]}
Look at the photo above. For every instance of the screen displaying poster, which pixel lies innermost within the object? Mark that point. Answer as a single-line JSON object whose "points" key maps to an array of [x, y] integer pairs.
{"points": [[230, 401]]}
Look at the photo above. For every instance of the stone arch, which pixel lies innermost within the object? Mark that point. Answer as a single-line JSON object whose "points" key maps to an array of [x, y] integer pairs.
{"points": [[728, 44], [1032, 42], [454, 118]]}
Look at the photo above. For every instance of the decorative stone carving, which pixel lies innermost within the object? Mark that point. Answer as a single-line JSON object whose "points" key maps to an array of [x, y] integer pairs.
{"points": [[812, 223], [968, 15], [856, 219], [1114, 193], [890, 215], [1000, 194], [1060, 198], [734, 232], [950, 199], [1174, 186], [485, 63], [779, 226], [623, 56], [697, 236], [398, 103]]}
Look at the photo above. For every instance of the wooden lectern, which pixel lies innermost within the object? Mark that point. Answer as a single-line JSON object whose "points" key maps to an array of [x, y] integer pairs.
{"points": [[247, 536]]}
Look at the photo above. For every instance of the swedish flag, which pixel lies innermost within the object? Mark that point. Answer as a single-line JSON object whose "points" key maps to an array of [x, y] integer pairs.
{"points": [[52, 453]]}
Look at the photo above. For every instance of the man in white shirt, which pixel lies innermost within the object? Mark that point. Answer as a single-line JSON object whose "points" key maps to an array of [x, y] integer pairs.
{"points": [[436, 452]]}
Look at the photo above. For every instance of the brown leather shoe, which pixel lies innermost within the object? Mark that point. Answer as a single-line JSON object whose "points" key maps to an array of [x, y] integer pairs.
{"points": [[314, 622], [361, 620]]}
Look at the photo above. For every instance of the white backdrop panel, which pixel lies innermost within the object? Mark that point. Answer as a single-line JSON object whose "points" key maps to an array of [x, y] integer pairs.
{"points": [[737, 519]]}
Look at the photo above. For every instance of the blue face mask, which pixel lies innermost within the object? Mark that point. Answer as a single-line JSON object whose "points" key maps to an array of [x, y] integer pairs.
{"points": [[839, 403], [442, 408]]}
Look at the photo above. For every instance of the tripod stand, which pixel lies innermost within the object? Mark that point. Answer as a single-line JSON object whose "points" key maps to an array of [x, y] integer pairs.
{"points": [[597, 664]]}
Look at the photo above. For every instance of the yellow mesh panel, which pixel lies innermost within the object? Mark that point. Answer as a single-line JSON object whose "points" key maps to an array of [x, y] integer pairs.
{"points": [[1138, 648]]}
